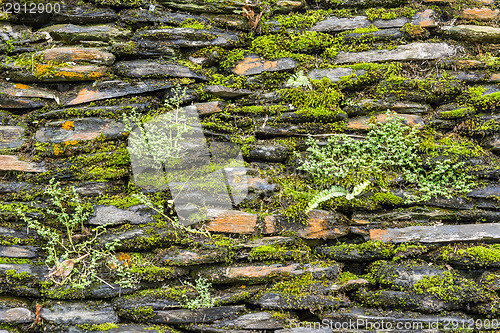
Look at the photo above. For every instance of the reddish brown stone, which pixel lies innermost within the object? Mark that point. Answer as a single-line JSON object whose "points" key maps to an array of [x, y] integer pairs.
{"points": [[208, 107], [480, 14], [13, 163], [233, 221], [495, 77], [321, 224], [363, 123], [253, 64], [78, 54], [425, 19]]}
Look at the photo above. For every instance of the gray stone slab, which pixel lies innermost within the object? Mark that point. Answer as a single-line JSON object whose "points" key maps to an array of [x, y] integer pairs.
{"points": [[414, 51], [439, 233]]}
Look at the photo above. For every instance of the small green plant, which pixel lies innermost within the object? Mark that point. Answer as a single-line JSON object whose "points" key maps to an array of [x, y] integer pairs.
{"points": [[298, 80], [390, 148], [74, 255], [204, 299], [336, 191]]}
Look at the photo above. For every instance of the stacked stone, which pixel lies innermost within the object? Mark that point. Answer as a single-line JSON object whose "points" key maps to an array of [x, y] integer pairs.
{"points": [[67, 78]]}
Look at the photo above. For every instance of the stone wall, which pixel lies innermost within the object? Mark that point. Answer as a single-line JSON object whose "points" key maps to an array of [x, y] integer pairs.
{"points": [[255, 72]]}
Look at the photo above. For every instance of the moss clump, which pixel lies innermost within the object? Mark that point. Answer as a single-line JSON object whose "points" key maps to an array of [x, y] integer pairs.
{"points": [[414, 31], [449, 287], [99, 327], [457, 113], [319, 104], [482, 99], [474, 256], [389, 13]]}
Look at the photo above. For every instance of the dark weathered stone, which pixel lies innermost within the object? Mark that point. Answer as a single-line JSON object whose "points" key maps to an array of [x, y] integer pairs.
{"points": [[335, 75], [253, 321], [257, 274], [275, 301], [369, 319], [16, 316], [117, 88], [11, 137], [494, 144], [76, 313], [185, 257], [439, 233], [337, 24], [77, 54], [206, 315], [111, 215], [476, 33], [70, 33], [18, 96], [392, 23], [379, 35], [425, 19], [186, 37], [320, 225], [208, 108], [154, 69], [403, 300], [253, 64], [69, 73], [414, 51], [220, 6], [269, 154], [102, 111], [83, 14], [410, 215], [81, 129], [225, 92], [144, 50], [144, 17]]}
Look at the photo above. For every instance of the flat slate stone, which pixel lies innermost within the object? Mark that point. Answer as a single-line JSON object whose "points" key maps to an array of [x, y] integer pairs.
{"points": [[225, 92], [253, 64], [426, 19], [144, 17], [16, 316], [116, 88], [78, 313], [494, 144], [154, 69], [334, 75], [261, 273], [111, 215], [207, 108], [253, 321], [379, 35], [16, 251], [83, 14], [439, 233], [204, 315], [13, 163], [363, 123], [186, 37], [414, 51], [11, 137], [480, 14], [77, 54], [74, 33], [321, 224], [232, 221], [392, 23], [338, 24], [69, 73], [81, 129], [19, 96], [221, 6], [476, 33]]}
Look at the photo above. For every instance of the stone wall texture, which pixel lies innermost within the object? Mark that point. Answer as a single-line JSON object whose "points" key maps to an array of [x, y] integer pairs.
{"points": [[264, 75]]}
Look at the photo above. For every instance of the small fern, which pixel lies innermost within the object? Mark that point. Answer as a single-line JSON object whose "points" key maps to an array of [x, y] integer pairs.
{"points": [[299, 80], [336, 191]]}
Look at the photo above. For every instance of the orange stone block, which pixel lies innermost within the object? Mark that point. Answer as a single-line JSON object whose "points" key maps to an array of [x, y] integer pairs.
{"points": [[233, 221], [480, 14]]}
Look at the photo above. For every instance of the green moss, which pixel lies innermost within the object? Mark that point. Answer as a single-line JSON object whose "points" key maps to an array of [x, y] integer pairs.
{"points": [[99, 327], [346, 276], [474, 256], [479, 98], [457, 113], [450, 287], [414, 31], [13, 275], [389, 13]]}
